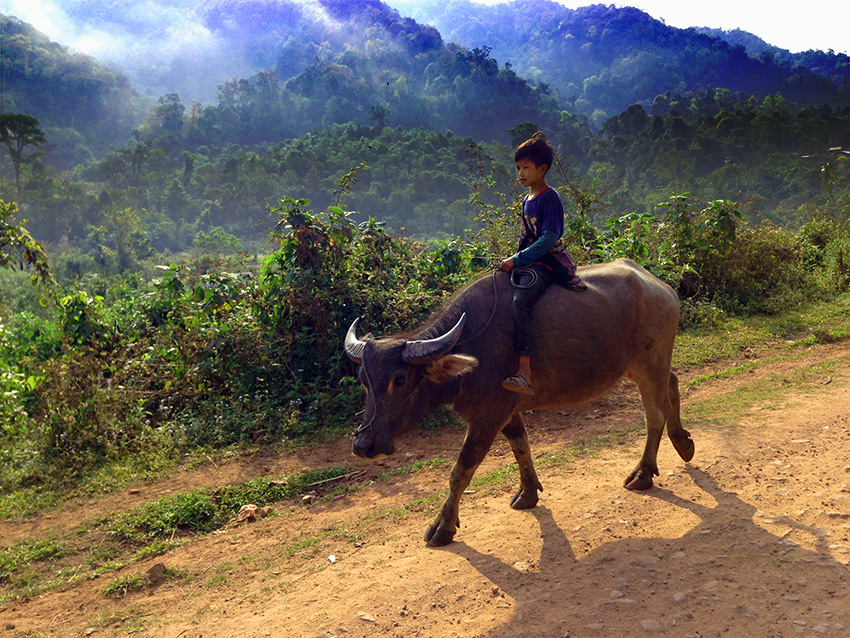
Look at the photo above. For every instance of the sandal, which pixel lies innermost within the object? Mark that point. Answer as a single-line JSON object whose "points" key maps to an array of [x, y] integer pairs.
{"points": [[517, 383]]}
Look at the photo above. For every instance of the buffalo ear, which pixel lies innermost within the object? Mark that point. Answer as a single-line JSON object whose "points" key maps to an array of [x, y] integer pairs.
{"points": [[450, 366]]}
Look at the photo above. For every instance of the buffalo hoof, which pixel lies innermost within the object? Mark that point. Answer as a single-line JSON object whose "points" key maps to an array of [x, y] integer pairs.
{"points": [[684, 445], [638, 480], [438, 537], [524, 500]]}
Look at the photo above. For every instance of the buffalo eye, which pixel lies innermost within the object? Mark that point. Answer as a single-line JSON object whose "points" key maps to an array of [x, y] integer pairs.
{"points": [[398, 381]]}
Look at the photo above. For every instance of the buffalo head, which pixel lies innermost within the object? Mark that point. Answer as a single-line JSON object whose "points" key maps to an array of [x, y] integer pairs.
{"points": [[404, 380]]}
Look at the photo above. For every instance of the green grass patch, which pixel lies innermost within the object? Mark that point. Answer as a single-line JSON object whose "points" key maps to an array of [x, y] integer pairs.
{"points": [[816, 323], [413, 468], [146, 531], [120, 587], [768, 393], [157, 548], [27, 552], [204, 510], [124, 585], [735, 370]]}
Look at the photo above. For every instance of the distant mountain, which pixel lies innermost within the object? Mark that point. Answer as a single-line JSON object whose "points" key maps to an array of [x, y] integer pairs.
{"points": [[606, 58], [598, 58], [82, 105], [824, 63], [299, 65]]}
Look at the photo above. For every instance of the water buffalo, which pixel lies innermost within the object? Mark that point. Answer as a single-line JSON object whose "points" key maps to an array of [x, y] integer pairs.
{"points": [[624, 324]]}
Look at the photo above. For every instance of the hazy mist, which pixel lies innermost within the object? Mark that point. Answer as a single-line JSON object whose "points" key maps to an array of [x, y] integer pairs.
{"points": [[185, 46]]}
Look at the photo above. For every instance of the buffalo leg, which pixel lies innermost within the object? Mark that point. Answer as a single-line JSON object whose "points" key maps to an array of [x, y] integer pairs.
{"points": [[444, 527], [654, 391], [529, 484], [679, 436]]}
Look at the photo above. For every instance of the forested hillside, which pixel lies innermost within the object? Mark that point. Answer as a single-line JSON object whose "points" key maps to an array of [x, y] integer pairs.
{"points": [[82, 105], [605, 58], [329, 62]]}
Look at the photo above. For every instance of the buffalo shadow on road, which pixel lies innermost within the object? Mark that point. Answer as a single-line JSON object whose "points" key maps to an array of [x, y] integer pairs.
{"points": [[726, 574]]}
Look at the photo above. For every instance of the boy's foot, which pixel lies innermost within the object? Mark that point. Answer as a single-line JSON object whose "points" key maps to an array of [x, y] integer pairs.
{"points": [[517, 383]]}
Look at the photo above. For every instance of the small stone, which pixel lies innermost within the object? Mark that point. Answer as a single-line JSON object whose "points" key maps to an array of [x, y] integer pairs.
{"points": [[616, 593], [366, 617], [596, 626], [821, 628], [679, 597], [10, 626], [648, 559], [156, 574], [650, 625], [307, 499]]}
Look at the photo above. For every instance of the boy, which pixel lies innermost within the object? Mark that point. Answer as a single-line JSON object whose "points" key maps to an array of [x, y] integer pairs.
{"points": [[541, 257]]}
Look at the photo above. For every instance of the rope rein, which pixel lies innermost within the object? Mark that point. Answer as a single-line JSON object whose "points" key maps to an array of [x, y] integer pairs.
{"points": [[371, 393]]}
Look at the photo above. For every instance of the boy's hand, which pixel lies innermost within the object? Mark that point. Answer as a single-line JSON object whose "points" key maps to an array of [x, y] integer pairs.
{"points": [[507, 264]]}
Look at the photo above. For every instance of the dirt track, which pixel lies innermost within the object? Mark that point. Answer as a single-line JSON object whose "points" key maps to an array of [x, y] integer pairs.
{"points": [[752, 538]]}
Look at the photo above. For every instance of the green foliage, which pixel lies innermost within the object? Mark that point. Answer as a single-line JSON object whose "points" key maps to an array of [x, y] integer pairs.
{"points": [[82, 321], [28, 551], [205, 510], [217, 241], [18, 249], [17, 131], [123, 585], [619, 56]]}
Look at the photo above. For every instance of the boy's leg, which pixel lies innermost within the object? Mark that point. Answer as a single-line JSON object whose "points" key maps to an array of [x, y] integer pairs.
{"points": [[522, 308]]}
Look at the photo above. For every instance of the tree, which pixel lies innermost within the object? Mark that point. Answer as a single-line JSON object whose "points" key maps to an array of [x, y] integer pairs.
{"points": [[17, 131], [18, 249]]}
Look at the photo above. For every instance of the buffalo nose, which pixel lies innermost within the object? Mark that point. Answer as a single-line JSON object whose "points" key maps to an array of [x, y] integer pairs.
{"points": [[362, 444]]}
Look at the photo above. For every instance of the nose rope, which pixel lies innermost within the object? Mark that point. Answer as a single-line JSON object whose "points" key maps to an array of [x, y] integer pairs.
{"points": [[368, 425], [371, 392]]}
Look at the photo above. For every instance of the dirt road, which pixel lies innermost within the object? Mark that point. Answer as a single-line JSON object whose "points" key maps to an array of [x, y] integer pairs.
{"points": [[751, 539]]}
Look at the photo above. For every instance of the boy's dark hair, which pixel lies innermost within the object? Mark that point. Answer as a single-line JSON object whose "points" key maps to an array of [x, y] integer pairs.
{"points": [[537, 149]]}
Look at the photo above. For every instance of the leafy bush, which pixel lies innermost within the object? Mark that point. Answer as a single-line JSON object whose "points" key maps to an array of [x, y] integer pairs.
{"points": [[764, 272]]}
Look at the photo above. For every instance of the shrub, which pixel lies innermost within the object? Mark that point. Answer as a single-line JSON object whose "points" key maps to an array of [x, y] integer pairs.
{"points": [[763, 273]]}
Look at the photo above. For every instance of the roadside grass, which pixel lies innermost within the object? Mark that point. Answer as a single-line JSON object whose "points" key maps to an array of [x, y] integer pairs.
{"points": [[816, 323], [123, 585], [762, 393], [32, 567]]}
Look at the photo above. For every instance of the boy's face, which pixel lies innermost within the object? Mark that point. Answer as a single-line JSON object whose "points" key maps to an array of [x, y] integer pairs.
{"points": [[529, 174]]}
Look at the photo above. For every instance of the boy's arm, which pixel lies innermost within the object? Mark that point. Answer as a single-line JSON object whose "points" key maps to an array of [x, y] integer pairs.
{"points": [[539, 248]]}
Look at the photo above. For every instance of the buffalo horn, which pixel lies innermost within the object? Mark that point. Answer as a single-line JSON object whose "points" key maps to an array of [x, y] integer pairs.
{"points": [[427, 350], [354, 347]]}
